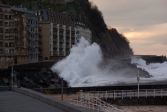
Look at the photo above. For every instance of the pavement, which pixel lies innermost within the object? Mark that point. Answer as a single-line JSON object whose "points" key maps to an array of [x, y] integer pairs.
{"points": [[11, 101]]}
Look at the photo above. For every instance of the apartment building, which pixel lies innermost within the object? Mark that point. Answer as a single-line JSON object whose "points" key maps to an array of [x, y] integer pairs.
{"points": [[57, 40], [7, 36], [57, 33], [53, 16], [27, 41]]}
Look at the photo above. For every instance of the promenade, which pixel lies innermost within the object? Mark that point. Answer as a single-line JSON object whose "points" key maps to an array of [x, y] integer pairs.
{"points": [[27, 100], [11, 101]]}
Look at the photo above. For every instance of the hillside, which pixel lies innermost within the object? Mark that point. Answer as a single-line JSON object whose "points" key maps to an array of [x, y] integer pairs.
{"points": [[112, 43]]}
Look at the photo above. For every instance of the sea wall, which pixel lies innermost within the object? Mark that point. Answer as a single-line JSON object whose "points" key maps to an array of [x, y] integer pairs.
{"points": [[142, 101]]}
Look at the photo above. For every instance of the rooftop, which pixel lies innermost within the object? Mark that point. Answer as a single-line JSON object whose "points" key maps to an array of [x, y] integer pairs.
{"points": [[22, 10]]}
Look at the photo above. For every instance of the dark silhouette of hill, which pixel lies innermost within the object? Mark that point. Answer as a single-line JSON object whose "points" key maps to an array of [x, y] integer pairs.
{"points": [[112, 43]]}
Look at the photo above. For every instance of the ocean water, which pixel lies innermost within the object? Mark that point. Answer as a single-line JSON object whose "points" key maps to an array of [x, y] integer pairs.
{"points": [[81, 68]]}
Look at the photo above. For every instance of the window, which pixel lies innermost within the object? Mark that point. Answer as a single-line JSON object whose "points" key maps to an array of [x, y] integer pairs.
{"points": [[6, 51]]}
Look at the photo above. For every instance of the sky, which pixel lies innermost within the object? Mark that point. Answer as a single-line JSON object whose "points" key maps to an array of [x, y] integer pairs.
{"points": [[143, 22]]}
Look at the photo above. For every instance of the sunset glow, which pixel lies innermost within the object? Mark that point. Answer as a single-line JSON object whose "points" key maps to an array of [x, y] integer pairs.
{"points": [[144, 25]]}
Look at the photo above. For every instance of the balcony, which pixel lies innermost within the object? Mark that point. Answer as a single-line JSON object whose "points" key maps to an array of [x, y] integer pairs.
{"points": [[30, 52], [33, 46], [21, 53], [9, 37], [10, 32], [32, 39], [36, 45], [54, 39], [37, 52], [30, 45], [6, 18], [1, 52], [9, 53], [61, 40], [9, 25], [37, 38], [29, 38], [9, 45]]}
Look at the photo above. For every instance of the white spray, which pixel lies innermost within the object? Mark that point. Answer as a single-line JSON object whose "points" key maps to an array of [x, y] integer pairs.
{"points": [[157, 70], [81, 68]]}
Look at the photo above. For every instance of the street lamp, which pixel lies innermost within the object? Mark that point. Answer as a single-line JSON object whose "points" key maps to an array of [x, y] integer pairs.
{"points": [[61, 88], [138, 80], [12, 76]]}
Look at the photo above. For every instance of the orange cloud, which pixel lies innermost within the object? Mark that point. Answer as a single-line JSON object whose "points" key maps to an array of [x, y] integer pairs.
{"points": [[132, 35]]}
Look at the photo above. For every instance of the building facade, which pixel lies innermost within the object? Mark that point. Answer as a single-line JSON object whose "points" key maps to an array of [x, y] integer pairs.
{"points": [[45, 34], [58, 33], [27, 41], [57, 40], [53, 16], [7, 36]]}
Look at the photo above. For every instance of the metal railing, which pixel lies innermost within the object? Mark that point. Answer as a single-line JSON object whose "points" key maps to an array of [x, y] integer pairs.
{"points": [[129, 93], [92, 99], [93, 103]]}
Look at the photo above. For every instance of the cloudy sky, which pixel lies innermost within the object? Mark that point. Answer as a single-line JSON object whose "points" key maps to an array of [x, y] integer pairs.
{"points": [[143, 22]]}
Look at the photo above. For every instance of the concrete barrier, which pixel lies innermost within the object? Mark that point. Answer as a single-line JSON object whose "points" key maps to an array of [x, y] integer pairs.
{"points": [[50, 100]]}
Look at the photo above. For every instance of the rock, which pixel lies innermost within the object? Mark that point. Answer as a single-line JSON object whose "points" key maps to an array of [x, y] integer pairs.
{"points": [[54, 81], [26, 79], [6, 81]]}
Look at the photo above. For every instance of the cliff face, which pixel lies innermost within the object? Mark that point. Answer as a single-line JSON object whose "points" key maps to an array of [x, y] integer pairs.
{"points": [[111, 42]]}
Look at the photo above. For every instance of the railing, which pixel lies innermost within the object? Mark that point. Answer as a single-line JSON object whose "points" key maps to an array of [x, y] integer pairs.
{"points": [[9, 25], [93, 103], [129, 93], [92, 99]]}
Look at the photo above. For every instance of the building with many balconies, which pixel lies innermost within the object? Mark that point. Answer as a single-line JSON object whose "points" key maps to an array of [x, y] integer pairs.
{"points": [[57, 33], [27, 41], [7, 36], [45, 34], [57, 40]]}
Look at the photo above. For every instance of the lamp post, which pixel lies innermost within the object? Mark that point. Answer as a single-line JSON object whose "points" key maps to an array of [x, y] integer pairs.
{"points": [[61, 88], [138, 80], [12, 76]]}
